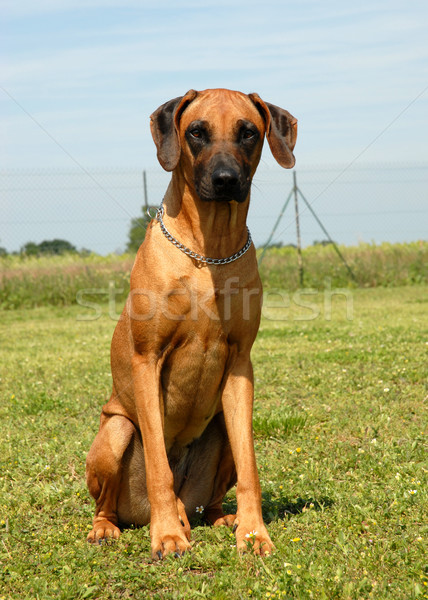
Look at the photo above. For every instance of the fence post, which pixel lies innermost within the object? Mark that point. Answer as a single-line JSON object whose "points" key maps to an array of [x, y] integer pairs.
{"points": [[350, 271], [274, 227], [299, 242], [146, 199]]}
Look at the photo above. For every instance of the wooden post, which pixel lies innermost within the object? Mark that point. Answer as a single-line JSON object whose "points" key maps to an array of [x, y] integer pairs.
{"points": [[299, 242]]}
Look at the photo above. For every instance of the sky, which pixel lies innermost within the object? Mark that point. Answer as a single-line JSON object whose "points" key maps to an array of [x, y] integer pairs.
{"points": [[80, 78]]}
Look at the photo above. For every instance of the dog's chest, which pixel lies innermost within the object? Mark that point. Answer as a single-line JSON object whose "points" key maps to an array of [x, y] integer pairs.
{"points": [[192, 379]]}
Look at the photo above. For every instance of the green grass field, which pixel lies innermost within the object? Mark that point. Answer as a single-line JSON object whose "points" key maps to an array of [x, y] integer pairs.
{"points": [[340, 436]]}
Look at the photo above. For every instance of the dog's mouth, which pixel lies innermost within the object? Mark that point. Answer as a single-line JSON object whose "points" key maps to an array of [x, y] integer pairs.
{"points": [[222, 198]]}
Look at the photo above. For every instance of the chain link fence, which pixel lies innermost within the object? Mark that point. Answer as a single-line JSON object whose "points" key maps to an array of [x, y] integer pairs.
{"points": [[92, 209]]}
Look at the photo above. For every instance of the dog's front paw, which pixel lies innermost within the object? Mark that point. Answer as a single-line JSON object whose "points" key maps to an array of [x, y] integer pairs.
{"points": [[253, 539], [170, 539], [183, 518]]}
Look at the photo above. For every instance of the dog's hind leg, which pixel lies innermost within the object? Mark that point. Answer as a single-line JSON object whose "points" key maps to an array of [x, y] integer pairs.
{"points": [[224, 480], [133, 506], [210, 474], [104, 474]]}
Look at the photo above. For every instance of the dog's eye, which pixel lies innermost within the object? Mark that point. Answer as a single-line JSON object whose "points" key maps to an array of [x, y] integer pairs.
{"points": [[196, 132], [248, 134]]}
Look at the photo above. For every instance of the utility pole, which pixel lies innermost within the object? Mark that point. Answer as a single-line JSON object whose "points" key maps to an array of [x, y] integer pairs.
{"points": [[299, 241]]}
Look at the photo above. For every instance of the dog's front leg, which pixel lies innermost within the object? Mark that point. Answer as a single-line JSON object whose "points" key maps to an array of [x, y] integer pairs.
{"points": [[237, 403], [169, 530]]}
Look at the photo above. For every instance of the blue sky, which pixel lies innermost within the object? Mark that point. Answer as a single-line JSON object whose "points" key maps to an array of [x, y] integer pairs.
{"points": [[89, 73]]}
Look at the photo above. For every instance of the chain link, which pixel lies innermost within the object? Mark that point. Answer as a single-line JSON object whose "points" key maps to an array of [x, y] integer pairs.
{"points": [[199, 257]]}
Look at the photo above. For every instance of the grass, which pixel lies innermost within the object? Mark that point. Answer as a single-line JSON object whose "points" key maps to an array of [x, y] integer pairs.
{"points": [[28, 282], [58, 280], [340, 439], [372, 265]]}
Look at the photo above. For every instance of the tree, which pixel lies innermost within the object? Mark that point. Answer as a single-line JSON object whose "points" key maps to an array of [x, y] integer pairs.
{"points": [[137, 229], [56, 247], [48, 247], [30, 249], [322, 242]]}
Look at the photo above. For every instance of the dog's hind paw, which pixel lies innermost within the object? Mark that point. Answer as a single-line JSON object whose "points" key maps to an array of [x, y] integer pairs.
{"points": [[216, 517], [103, 530], [227, 520]]}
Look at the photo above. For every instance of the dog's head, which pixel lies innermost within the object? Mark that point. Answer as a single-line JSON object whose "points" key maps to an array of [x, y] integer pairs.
{"points": [[217, 136]]}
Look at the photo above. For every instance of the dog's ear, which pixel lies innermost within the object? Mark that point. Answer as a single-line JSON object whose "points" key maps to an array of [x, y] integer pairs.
{"points": [[164, 123], [281, 131]]}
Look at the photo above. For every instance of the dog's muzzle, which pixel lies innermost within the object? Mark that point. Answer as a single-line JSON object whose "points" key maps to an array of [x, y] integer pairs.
{"points": [[223, 182]]}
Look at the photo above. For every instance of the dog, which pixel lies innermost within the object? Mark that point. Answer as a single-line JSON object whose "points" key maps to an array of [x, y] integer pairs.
{"points": [[176, 434]]}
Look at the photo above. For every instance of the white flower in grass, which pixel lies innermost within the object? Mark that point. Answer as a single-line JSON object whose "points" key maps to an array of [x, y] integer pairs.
{"points": [[413, 492], [200, 509], [251, 535]]}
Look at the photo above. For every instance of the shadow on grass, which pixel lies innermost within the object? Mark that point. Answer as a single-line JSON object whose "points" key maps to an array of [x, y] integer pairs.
{"points": [[278, 508], [274, 509]]}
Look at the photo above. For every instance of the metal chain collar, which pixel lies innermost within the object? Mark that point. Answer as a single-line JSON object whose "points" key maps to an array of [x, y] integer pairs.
{"points": [[195, 255]]}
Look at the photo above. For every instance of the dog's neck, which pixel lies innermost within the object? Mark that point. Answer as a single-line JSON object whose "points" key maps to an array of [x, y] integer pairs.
{"points": [[213, 229]]}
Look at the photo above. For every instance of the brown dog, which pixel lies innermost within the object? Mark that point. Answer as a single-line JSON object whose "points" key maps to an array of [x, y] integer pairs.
{"points": [[176, 433]]}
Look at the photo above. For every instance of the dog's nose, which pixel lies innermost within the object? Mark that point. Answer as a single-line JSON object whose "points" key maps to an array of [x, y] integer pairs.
{"points": [[224, 179]]}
